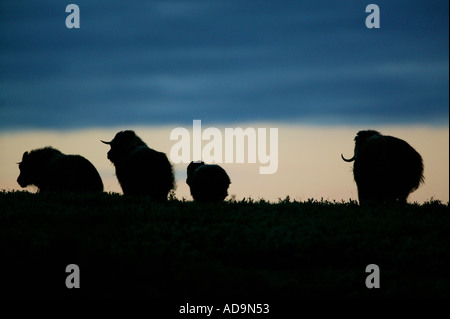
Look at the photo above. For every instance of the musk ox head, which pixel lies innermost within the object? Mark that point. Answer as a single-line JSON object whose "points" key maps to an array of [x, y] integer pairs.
{"points": [[191, 169], [122, 144], [361, 138], [26, 171], [33, 165]]}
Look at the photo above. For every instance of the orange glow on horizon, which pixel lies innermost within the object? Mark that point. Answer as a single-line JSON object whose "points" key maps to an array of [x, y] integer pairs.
{"points": [[309, 159]]}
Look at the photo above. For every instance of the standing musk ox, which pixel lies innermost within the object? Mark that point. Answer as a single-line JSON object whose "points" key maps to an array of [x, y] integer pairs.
{"points": [[50, 170], [140, 170], [208, 183], [386, 169]]}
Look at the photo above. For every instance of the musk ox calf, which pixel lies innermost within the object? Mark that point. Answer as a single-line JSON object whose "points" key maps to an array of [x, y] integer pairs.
{"points": [[386, 169], [140, 170], [50, 170], [208, 183]]}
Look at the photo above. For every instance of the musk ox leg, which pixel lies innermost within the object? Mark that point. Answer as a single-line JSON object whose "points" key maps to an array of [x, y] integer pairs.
{"points": [[401, 198], [363, 196], [368, 196]]}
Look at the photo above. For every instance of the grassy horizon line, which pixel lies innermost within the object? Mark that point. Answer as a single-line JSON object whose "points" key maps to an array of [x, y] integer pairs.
{"points": [[132, 247]]}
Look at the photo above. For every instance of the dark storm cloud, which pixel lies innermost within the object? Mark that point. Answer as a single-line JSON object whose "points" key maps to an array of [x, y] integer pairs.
{"points": [[163, 62]]}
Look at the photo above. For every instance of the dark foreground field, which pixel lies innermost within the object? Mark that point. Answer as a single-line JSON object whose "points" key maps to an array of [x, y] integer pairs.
{"points": [[133, 248]]}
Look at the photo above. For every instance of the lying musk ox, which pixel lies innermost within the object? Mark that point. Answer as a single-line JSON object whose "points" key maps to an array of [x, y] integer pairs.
{"points": [[140, 170], [386, 169], [208, 183], [50, 170]]}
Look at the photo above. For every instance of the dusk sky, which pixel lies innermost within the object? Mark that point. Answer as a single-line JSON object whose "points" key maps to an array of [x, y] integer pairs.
{"points": [[292, 64]]}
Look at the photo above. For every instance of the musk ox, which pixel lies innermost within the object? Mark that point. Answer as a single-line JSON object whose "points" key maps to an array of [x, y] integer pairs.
{"points": [[386, 169], [208, 183], [140, 170], [50, 170]]}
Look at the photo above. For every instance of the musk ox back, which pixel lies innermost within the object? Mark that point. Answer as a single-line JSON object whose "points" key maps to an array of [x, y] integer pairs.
{"points": [[208, 183], [140, 170], [50, 170], [386, 169]]}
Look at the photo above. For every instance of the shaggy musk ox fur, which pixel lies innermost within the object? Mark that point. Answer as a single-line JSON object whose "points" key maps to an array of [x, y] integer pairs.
{"points": [[140, 170], [208, 183], [386, 169], [50, 170]]}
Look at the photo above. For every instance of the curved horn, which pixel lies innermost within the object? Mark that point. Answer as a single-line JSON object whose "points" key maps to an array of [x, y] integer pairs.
{"points": [[107, 143], [348, 160]]}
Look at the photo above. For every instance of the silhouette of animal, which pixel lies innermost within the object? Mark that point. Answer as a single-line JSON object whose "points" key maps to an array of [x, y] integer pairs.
{"points": [[50, 170], [386, 169], [140, 170], [208, 183]]}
